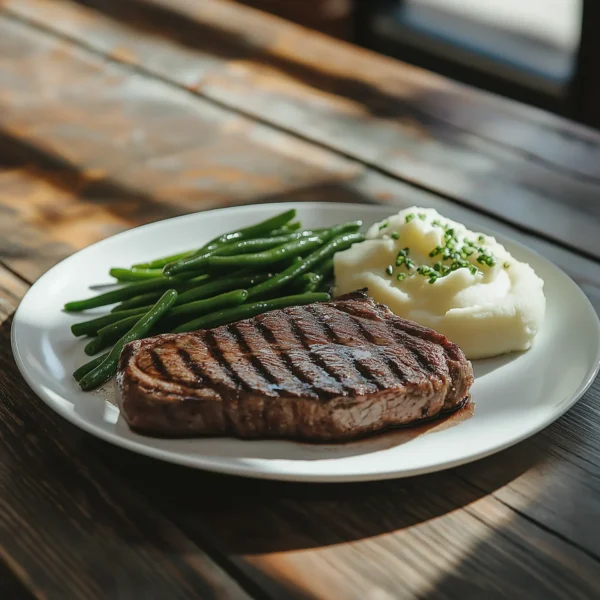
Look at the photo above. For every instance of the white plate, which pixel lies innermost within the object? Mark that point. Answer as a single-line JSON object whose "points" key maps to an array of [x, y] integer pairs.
{"points": [[515, 396]]}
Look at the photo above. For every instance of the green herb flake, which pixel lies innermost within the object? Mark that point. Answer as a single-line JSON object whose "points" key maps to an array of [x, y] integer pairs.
{"points": [[395, 235], [384, 225], [481, 239], [402, 259], [436, 223], [409, 217], [422, 216], [506, 265], [389, 270], [401, 276]]}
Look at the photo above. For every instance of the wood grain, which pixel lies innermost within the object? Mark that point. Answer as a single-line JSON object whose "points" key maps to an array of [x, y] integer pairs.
{"points": [[503, 158], [12, 289], [91, 149]]}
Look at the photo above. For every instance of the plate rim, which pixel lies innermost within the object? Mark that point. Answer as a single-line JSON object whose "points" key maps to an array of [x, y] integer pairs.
{"points": [[208, 464]]}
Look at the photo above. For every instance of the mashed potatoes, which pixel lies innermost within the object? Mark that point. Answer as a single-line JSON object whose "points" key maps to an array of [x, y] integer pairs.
{"points": [[435, 271]]}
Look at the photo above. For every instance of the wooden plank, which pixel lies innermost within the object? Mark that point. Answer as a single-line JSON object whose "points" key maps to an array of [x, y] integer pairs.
{"points": [[12, 289], [509, 160], [70, 529], [92, 149], [10, 586]]}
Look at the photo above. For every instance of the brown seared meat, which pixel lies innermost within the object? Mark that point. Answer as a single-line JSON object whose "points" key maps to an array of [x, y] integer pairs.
{"points": [[323, 372]]}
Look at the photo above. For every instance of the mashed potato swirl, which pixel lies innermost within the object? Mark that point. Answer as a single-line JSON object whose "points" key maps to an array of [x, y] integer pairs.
{"points": [[436, 272]]}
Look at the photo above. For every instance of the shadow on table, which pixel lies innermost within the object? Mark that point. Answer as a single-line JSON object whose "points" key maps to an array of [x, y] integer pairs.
{"points": [[115, 205], [256, 516]]}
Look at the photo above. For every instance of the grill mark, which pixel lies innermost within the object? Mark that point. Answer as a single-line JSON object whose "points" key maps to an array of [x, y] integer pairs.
{"points": [[253, 360], [317, 360], [392, 365], [160, 366], [191, 366], [404, 338], [270, 338], [217, 355], [364, 370], [297, 333]]}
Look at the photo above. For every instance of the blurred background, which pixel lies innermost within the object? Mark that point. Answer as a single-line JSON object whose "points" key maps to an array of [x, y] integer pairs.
{"points": [[542, 52]]}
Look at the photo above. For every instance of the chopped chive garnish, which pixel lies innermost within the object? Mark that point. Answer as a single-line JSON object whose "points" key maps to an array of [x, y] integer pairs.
{"points": [[409, 217], [506, 265], [395, 235], [384, 225], [400, 276], [389, 270], [422, 216], [481, 239]]}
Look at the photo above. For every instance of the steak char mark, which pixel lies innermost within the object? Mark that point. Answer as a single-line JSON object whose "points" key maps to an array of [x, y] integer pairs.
{"points": [[331, 372]]}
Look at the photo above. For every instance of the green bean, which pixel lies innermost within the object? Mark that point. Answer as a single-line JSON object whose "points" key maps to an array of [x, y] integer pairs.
{"points": [[245, 311], [137, 301], [337, 230], [159, 263], [124, 293], [259, 229], [203, 307], [271, 226], [107, 368], [89, 366], [260, 244], [223, 284], [268, 257], [218, 286], [324, 252], [146, 300], [303, 284], [92, 326], [134, 274], [96, 344], [112, 331], [326, 285], [200, 261], [289, 228], [324, 268]]}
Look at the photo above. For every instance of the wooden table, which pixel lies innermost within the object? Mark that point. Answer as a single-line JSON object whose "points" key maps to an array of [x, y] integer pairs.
{"points": [[118, 113]]}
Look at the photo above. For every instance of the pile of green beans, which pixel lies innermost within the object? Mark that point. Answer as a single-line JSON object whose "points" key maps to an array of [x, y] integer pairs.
{"points": [[237, 275]]}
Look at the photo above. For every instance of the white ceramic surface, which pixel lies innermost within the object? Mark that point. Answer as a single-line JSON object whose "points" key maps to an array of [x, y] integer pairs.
{"points": [[515, 396]]}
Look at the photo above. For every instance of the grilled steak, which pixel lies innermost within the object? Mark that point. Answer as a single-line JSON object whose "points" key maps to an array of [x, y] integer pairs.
{"points": [[328, 372]]}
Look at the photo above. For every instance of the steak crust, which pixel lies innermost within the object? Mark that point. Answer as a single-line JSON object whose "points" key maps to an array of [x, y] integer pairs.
{"points": [[330, 372]]}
